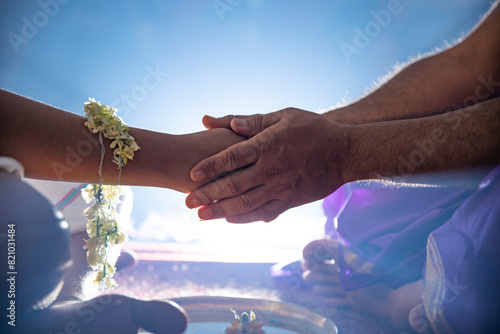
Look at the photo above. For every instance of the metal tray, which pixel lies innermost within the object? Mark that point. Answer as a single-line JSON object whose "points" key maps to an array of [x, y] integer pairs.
{"points": [[211, 315]]}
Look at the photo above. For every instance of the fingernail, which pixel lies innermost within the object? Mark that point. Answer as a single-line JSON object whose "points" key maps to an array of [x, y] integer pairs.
{"points": [[205, 213], [193, 203], [239, 122], [198, 175]]}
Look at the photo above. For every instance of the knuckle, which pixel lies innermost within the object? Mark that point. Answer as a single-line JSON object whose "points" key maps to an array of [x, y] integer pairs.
{"points": [[218, 210], [244, 203], [220, 175], [231, 187], [206, 194], [258, 122], [210, 168], [265, 145], [231, 160], [275, 118], [247, 154]]}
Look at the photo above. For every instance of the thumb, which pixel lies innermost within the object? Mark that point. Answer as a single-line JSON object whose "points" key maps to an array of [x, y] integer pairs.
{"points": [[248, 127], [222, 122], [321, 250]]}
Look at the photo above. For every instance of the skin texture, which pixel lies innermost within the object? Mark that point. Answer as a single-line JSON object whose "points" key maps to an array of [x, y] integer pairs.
{"points": [[35, 132], [297, 167], [275, 180], [420, 121]]}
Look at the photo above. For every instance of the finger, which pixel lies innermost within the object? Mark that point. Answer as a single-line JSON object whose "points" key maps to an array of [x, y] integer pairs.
{"points": [[159, 316], [321, 250], [250, 126], [322, 267], [266, 212], [225, 187], [232, 158], [127, 258], [240, 204], [222, 122], [247, 127]]}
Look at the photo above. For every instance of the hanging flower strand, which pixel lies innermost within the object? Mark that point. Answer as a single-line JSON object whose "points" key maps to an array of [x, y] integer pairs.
{"points": [[103, 119], [103, 226]]}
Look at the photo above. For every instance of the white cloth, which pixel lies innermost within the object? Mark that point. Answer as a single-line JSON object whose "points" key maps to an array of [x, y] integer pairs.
{"points": [[12, 166]]}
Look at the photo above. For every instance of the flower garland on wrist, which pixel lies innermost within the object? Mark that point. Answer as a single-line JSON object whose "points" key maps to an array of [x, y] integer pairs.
{"points": [[103, 226]]}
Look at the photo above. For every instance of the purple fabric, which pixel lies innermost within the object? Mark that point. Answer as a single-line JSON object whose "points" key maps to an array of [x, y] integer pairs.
{"points": [[469, 249], [387, 226], [448, 235]]}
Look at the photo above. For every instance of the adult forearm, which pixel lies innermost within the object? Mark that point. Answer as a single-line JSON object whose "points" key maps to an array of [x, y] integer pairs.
{"points": [[455, 78], [53, 144], [405, 95], [459, 139], [429, 86]]}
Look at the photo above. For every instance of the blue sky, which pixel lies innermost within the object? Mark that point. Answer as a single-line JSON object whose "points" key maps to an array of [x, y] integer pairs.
{"points": [[247, 56]]}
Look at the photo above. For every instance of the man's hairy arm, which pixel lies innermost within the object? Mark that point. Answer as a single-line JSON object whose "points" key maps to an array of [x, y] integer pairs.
{"points": [[298, 157], [455, 140], [464, 74]]}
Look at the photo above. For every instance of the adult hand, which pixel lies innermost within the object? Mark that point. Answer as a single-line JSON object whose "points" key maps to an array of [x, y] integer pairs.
{"points": [[321, 268], [292, 157]]}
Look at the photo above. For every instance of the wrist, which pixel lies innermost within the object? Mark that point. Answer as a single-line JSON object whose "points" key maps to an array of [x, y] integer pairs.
{"points": [[353, 169], [339, 154], [347, 162]]}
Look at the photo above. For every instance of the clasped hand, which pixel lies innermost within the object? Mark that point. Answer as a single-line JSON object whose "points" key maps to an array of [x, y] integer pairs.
{"points": [[292, 157]]}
